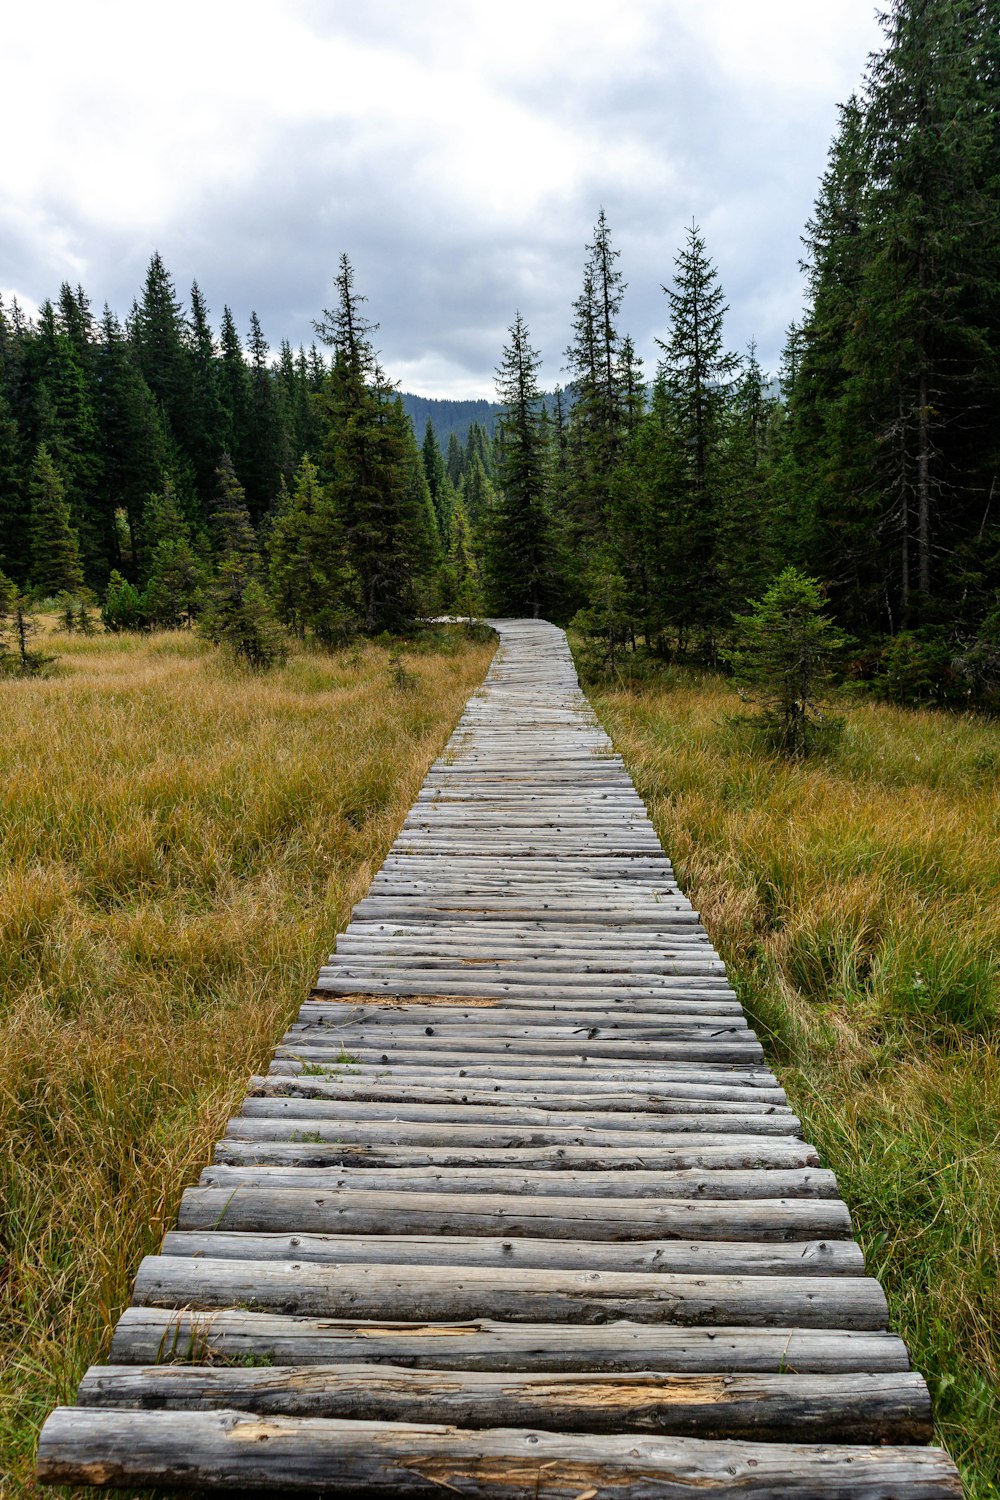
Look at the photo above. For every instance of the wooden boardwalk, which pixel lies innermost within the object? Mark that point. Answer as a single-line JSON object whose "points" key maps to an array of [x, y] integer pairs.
{"points": [[518, 1210]]}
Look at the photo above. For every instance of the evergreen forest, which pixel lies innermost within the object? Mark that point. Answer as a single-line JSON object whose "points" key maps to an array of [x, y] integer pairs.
{"points": [[179, 474]]}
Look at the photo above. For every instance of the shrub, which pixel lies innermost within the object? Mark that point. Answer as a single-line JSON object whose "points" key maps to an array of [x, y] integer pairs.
{"points": [[783, 656], [122, 608]]}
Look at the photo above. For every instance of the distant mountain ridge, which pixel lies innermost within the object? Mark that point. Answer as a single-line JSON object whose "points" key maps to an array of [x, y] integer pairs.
{"points": [[449, 417]]}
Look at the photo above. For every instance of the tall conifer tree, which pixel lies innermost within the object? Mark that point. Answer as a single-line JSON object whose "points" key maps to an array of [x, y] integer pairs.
{"points": [[373, 470], [518, 552], [55, 548]]}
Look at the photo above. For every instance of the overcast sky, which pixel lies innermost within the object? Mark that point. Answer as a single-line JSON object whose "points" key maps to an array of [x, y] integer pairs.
{"points": [[458, 150]]}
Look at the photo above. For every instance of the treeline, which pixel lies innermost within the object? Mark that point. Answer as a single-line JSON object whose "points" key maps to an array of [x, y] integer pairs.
{"points": [[451, 420], [179, 476], [647, 506], [876, 470]]}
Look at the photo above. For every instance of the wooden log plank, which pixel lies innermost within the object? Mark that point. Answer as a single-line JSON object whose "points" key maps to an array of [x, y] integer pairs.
{"points": [[765, 1153], [508, 1294], [808, 1258], [162, 1336], [470, 986], [701, 1008], [805, 1408], [601, 1124], [631, 1145], [235, 1203], [246, 1451], [744, 1048], [526, 1003], [699, 1183], [578, 1074], [420, 1088]]}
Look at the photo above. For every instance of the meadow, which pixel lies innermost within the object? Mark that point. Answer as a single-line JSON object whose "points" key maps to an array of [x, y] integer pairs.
{"points": [[856, 900], [180, 842]]}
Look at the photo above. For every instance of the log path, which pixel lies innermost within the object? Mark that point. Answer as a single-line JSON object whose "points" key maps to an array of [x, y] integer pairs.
{"points": [[519, 1209]]}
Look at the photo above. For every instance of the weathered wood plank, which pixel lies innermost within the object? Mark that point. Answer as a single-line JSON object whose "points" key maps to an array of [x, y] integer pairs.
{"points": [[510, 1294], [765, 1153], [828, 1408], [241, 1450], [160, 1335], [807, 1258], [239, 1204]]}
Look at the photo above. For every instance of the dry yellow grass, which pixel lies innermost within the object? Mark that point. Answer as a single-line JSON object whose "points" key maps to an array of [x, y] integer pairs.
{"points": [[857, 902], [179, 844]]}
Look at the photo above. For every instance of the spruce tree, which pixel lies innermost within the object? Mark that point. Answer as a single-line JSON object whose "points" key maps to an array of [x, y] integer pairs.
{"points": [[205, 422], [17, 628], [594, 360], [266, 455], [697, 372], [134, 447], [374, 472], [934, 228], [234, 392], [160, 336], [55, 548], [14, 556], [464, 582], [65, 420], [238, 613], [518, 557], [175, 574], [784, 655], [308, 570], [455, 462], [434, 471]]}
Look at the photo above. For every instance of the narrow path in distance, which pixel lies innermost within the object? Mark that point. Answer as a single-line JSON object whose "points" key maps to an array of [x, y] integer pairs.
{"points": [[518, 1210]]}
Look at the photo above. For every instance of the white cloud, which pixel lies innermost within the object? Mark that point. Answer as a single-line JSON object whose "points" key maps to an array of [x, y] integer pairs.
{"points": [[458, 148]]}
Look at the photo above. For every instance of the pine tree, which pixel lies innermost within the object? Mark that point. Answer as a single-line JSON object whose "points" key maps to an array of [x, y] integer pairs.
{"points": [[934, 217], [175, 574], [308, 562], [17, 627], [455, 462], [697, 371], [160, 335], [374, 471], [266, 454], [597, 419], [55, 548], [14, 556], [434, 471], [205, 427], [464, 582], [234, 392], [784, 656], [134, 446], [238, 613], [65, 420], [518, 559]]}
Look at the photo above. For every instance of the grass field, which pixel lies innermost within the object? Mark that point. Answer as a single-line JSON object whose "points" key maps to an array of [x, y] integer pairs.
{"points": [[179, 844], [857, 902]]}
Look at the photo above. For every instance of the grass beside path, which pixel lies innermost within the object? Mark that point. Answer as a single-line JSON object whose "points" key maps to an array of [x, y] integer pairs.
{"points": [[857, 903], [179, 844]]}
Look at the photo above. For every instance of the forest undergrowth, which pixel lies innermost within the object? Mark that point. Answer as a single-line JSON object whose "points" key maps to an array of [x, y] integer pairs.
{"points": [[180, 841], [856, 900]]}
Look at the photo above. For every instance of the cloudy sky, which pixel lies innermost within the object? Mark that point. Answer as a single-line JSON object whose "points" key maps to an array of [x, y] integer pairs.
{"points": [[458, 150]]}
